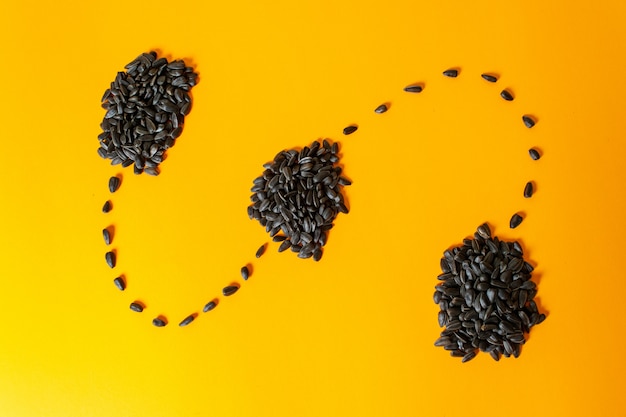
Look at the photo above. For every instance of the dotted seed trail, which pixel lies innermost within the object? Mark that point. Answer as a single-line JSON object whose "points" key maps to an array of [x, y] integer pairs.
{"points": [[154, 98]]}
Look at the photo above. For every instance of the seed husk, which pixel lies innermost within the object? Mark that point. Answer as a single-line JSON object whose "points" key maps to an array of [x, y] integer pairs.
{"points": [[107, 206], [528, 190], [469, 356], [245, 272], [120, 283], [151, 171], [261, 250], [534, 154], [380, 109], [452, 73], [284, 246], [230, 290], [489, 77], [348, 130], [529, 122], [416, 88], [209, 306], [506, 95], [516, 220], [136, 306], [114, 184], [159, 322], [110, 259], [484, 231], [187, 320], [107, 236]]}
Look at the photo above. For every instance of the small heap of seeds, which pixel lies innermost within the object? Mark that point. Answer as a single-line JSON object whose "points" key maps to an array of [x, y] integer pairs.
{"points": [[298, 197], [145, 111], [486, 298]]}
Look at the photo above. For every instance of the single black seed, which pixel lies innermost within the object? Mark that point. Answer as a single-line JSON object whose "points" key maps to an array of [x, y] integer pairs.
{"points": [[245, 273], [506, 94], [317, 254], [284, 246], [110, 258], [209, 306], [151, 171], [516, 220], [528, 190], [489, 77], [484, 231], [452, 73], [114, 184], [279, 238], [348, 130], [469, 356], [187, 320], [413, 88], [261, 251], [528, 121], [381, 109], [159, 322], [229, 290], [534, 154], [120, 283], [136, 306], [106, 207], [107, 236]]}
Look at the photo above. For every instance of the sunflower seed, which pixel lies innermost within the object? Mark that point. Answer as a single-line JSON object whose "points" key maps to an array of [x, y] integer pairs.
{"points": [[528, 121], [120, 283], [114, 184], [469, 356], [516, 220], [452, 73], [136, 306], [484, 231], [528, 190], [489, 77], [348, 130], [229, 290], [416, 88], [107, 236], [187, 320], [284, 246], [159, 322], [110, 258], [534, 154], [106, 207], [209, 306], [380, 109], [260, 251], [151, 171], [245, 272], [506, 94]]}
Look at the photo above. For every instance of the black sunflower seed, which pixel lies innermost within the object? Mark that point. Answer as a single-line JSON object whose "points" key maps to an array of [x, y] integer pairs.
{"points": [[114, 184], [245, 272], [187, 320], [209, 306], [528, 190], [284, 246], [380, 109], [159, 322], [110, 258], [489, 77], [136, 306], [484, 231], [516, 220], [348, 130], [534, 154], [120, 283], [229, 290], [260, 251], [506, 94], [528, 121], [452, 73], [107, 236], [106, 207], [416, 88], [469, 356]]}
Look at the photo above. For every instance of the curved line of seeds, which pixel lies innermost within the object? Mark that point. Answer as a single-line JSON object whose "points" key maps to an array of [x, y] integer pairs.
{"points": [[161, 321]]}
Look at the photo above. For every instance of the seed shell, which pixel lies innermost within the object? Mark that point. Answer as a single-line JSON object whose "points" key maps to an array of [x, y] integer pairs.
{"points": [[245, 272], [381, 109], [110, 259], [114, 184], [159, 322], [489, 77], [106, 207], [529, 122], [348, 130], [136, 307], [120, 283], [261, 251], [528, 190], [416, 88], [506, 95], [107, 236], [187, 320], [209, 306], [534, 154], [229, 290], [452, 73], [516, 220]]}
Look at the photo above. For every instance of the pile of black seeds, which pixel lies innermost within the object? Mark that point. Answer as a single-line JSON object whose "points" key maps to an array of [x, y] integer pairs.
{"points": [[145, 111], [486, 298], [298, 197]]}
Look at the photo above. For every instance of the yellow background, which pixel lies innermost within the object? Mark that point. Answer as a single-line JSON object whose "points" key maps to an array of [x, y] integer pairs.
{"points": [[352, 334]]}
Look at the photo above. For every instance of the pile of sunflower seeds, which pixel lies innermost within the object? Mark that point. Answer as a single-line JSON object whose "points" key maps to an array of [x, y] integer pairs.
{"points": [[486, 298], [145, 111], [298, 197]]}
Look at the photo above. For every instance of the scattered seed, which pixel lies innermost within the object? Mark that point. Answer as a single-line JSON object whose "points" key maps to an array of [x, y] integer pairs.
{"points": [[110, 258], [528, 121], [187, 320], [348, 130], [516, 220], [506, 94], [107, 236], [528, 190], [136, 306], [120, 283], [106, 207], [159, 322], [261, 251], [534, 154], [452, 73], [114, 184], [380, 109], [469, 356], [245, 273], [229, 290], [489, 77], [413, 88], [209, 306]]}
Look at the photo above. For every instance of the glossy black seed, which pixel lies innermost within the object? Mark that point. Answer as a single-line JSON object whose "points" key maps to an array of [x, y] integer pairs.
{"points": [[528, 121], [516, 220], [413, 88], [187, 320], [528, 190], [452, 73], [261, 250], [245, 272], [489, 77], [110, 259], [120, 283], [506, 94], [348, 130], [209, 306], [381, 109], [284, 246], [107, 236], [484, 231], [106, 207], [279, 238], [159, 322], [229, 290], [136, 306], [114, 184], [534, 154], [469, 356]]}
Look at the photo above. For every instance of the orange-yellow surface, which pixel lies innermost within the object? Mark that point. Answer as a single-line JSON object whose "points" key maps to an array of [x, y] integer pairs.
{"points": [[353, 334]]}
